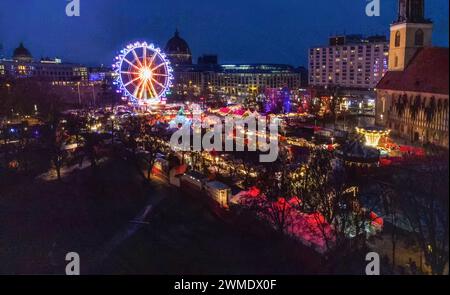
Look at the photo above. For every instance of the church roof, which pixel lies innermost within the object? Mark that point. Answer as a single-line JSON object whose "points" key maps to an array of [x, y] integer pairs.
{"points": [[427, 72]]}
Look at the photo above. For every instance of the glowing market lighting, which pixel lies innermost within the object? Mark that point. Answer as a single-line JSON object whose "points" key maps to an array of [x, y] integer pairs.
{"points": [[372, 136], [146, 74]]}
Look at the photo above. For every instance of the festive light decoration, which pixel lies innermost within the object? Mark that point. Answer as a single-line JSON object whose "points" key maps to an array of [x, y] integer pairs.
{"points": [[144, 73], [372, 136]]}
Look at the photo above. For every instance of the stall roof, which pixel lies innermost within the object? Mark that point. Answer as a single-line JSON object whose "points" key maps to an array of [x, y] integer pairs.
{"points": [[217, 185], [196, 175]]}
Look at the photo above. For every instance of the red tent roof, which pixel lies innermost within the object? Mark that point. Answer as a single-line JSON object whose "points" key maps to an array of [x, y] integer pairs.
{"points": [[427, 72], [181, 169], [225, 110], [240, 112]]}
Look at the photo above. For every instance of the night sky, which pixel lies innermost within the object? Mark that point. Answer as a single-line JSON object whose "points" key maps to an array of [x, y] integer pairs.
{"points": [[239, 31]]}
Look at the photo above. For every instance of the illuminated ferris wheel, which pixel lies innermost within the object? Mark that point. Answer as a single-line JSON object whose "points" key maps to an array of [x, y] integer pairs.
{"points": [[143, 73]]}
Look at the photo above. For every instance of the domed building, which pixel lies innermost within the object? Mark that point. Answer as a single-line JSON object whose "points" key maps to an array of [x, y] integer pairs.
{"points": [[22, 54], [178, 50]]}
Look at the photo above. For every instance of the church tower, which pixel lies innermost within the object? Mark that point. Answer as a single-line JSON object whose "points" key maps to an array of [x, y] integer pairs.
{"points": [[410, 32]]}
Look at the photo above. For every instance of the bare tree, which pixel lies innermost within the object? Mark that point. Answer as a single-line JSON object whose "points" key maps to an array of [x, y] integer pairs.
{"points": [[424, 197], [340, 217], [130, 134], [91, 148], [53, 136], [392, 212], [273, 204], [58, 154]]}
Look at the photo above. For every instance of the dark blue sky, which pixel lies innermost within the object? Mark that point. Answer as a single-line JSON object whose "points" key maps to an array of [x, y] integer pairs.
{"points": [[276, 31]]}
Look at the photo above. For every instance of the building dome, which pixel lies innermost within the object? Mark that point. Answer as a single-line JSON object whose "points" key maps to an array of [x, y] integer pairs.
{"points": [[22, 54], [178, 50]]}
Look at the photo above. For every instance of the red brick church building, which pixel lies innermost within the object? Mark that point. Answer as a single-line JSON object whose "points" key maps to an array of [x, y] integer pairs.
{"points": [[413, 96]]}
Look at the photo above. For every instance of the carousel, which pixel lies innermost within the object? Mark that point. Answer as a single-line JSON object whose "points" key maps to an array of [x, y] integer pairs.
{"points": [[372, 135], [357, 154]]}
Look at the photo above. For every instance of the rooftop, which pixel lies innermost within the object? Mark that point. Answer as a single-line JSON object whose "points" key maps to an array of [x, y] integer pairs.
{"points": [[427, 72], [217, 185], [196, 175]]}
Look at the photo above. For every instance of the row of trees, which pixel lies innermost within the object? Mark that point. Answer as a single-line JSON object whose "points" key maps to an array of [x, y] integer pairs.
{"points": [[143, 141], [418, 195], [319, 189], [56, 135], [35, 148], [24, 96]]}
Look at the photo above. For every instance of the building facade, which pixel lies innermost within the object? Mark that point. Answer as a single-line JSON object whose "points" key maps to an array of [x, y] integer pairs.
{"points": [[212, 80], [239, 81], [247, 79], [74, 83], [22, 65], [350, 61], [413, 97]]}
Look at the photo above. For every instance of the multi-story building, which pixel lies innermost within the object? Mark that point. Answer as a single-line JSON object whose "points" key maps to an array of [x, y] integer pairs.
{"points": [[74, 83], [210, 79], [239, 81], [22, 65], [413, 97], [350, 61], [246, 79]]}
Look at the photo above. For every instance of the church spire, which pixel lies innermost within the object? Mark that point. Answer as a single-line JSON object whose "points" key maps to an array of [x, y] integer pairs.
{"points": [[411, 32], [411, 11]]}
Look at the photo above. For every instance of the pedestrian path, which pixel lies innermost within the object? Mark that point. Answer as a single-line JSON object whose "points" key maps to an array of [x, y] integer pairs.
{"points": [[65, 171]]}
